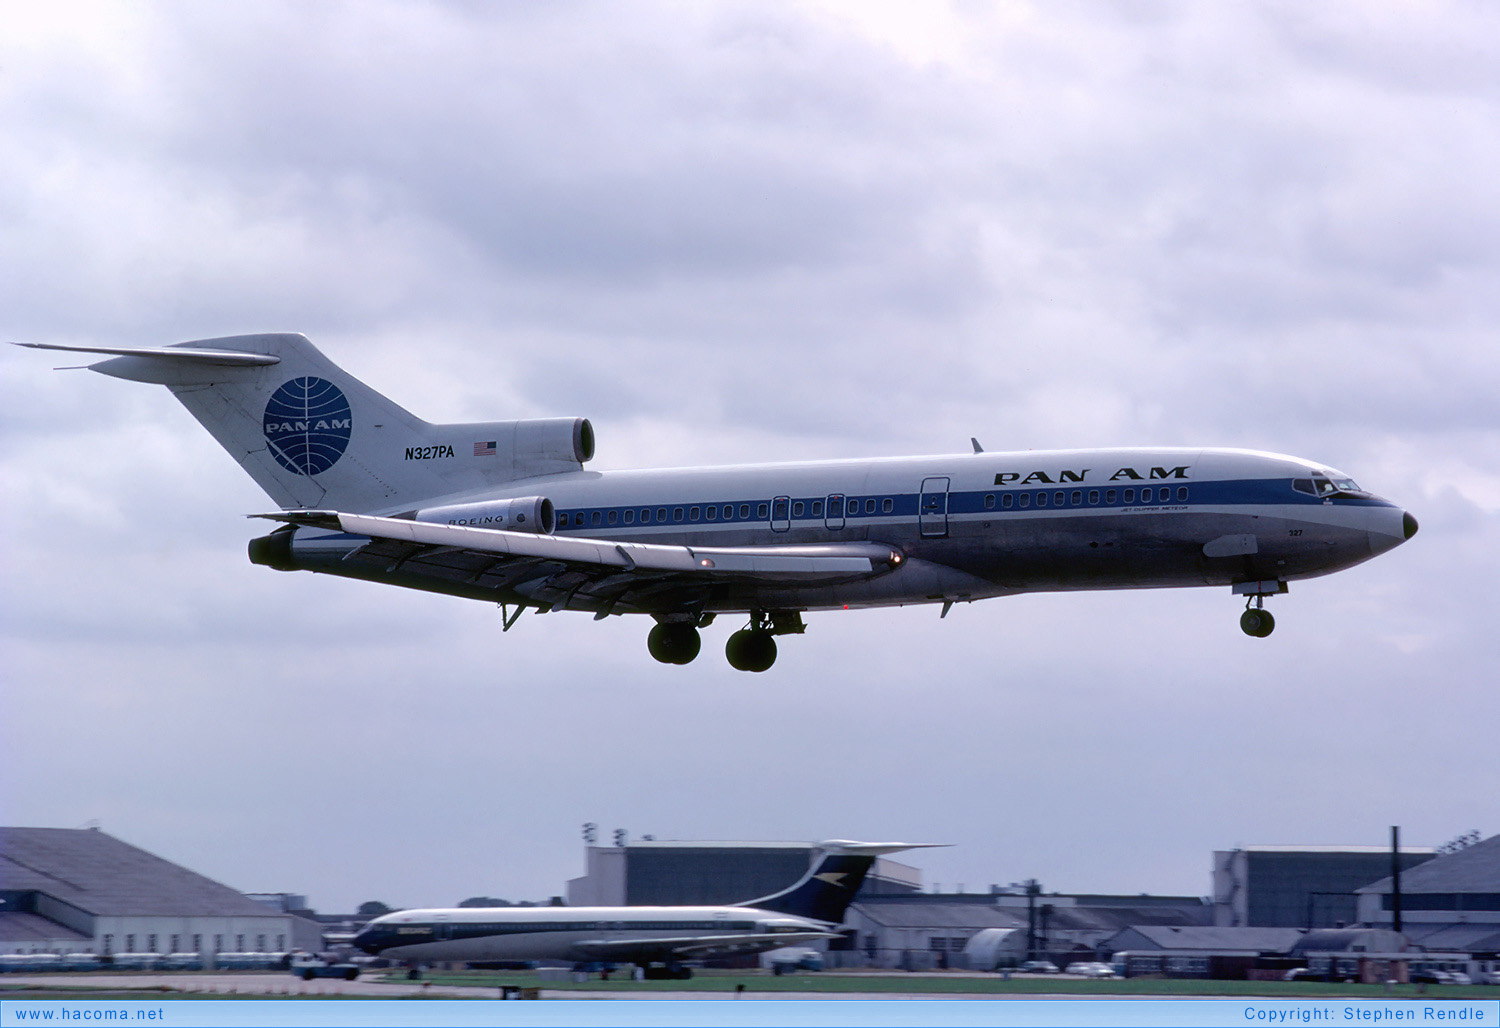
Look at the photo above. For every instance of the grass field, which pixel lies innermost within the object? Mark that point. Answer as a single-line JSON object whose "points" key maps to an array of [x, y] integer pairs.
{"points": [[967, 985], [866, 983]]}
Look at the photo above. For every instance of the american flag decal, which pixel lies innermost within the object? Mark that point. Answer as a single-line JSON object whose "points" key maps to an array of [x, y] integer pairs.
{"points": [[484, 449]]}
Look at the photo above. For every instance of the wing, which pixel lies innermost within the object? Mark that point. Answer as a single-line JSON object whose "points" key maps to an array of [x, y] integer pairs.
{"points": [[560, 572], [691, 947]]}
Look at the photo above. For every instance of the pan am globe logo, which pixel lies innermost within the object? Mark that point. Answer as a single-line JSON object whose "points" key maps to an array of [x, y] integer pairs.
{"points": [[307, 423]]}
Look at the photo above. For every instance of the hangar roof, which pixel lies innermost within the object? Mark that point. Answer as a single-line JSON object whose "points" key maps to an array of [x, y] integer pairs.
{"points": [[938, 914], [100, 874], [1215, 939], [972, 911], [19, 927], [1473, 869]]}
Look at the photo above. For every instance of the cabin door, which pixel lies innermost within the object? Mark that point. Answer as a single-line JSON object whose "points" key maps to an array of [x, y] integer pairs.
{"points": [[932, 508]]}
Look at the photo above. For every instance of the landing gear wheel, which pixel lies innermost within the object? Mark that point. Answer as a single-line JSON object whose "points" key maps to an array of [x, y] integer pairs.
{"points": [[1257, 622], [751, 649], [674, 643]]}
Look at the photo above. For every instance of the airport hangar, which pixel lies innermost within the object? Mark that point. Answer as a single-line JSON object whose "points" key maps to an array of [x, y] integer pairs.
{"points": [[69, 890], [65, 890]]}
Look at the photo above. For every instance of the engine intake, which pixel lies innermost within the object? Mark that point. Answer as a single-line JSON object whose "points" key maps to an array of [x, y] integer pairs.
{"points": [[521, 514]]}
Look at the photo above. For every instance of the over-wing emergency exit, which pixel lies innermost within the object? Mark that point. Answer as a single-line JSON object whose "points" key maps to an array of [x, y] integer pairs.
{"points": [[505, 511]]}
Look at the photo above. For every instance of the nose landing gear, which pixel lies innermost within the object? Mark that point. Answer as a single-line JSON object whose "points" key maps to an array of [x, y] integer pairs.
{"points": [[1256, 620]]}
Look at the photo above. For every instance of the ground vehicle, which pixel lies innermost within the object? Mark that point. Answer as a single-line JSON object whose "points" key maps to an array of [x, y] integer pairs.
{"points": [[308, 966], [1038, 967], [1090, 969]]}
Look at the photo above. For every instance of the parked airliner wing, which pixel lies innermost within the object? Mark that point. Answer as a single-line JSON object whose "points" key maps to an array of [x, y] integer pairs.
{"points": [[693, 947], [835, 559]]}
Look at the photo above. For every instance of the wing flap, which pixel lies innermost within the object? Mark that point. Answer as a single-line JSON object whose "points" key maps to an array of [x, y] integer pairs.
{"points": [[839, 559]]}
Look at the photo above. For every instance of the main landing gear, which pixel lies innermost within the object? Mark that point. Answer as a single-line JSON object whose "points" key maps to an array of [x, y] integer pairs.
{"points": [[1256, 620], [752, 648], [674, 642]]}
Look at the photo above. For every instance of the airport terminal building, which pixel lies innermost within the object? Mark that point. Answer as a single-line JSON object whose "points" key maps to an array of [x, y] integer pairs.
{"points": [[68, 890]]}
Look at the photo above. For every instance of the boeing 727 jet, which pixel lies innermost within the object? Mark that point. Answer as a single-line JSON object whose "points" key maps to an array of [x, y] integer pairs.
{"points": [[506, 511], [658, 939]]}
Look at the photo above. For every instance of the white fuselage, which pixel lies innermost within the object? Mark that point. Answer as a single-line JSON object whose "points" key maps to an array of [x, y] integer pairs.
{"points": [[968, 526], [482, 934]]}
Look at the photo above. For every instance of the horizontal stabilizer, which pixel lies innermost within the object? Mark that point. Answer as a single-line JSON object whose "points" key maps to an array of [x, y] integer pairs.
{"points": [[876, 849], [223, 358]]}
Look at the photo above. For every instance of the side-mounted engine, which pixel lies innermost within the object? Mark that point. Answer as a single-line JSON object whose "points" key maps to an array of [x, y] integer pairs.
{"points": [[521, 514]]}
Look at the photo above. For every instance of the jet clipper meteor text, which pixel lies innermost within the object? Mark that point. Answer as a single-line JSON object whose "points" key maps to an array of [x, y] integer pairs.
{"points": [[505, 511]]}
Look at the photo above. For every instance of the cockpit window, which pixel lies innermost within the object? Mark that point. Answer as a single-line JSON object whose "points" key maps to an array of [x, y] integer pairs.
{"points": [[1323, 486]]}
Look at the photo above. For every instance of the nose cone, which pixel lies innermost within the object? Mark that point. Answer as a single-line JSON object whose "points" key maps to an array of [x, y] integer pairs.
{"points": [[365, 939], [1389, 527]]}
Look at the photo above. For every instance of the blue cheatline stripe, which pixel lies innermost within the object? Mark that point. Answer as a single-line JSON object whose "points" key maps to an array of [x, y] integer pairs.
{"points": [[1075, 496]]}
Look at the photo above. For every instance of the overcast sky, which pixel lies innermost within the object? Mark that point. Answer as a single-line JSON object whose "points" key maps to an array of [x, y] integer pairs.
{"points": [[751, 231]]}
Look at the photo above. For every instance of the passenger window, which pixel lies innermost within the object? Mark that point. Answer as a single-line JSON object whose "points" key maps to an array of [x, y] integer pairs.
{"points": [[853, 506], [817, 508], [728, 511], [869, 506], [630, 517], [661, 514], [1025, 500], [562, 521], [1007, 500], [797, 509], [676, 513], [694, 514], [614, 516], [1041, 499], [744, 510], [1182, 494], [763, 511], [1129, 495], [1109, 496], [887, 505], [1093, 497], [1059, 500], [646, 516], [713, 513], [989, 501], [595, 518], [1163, 494], [1077, 497]]}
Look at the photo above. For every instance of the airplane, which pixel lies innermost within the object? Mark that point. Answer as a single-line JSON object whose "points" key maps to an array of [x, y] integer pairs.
{"points": [[505, 511], [657, 939]]}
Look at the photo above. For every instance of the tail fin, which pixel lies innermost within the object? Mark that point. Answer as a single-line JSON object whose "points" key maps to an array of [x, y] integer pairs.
{"points": [[825, 892], [312, 435]]}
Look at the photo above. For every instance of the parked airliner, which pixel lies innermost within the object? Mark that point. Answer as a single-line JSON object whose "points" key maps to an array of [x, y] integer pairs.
{"points": [[658, 939], [505, 511]]}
